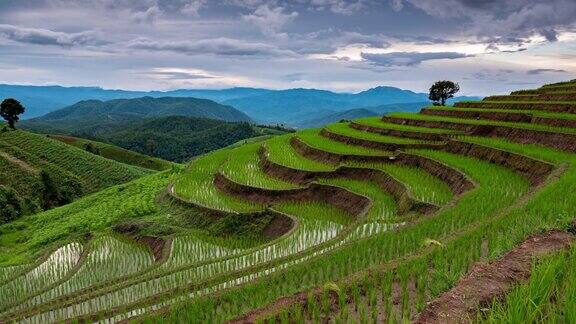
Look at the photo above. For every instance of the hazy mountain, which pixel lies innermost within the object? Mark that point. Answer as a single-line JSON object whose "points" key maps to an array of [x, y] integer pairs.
{"points": [[295, 106], [290, 106], [95, 116], [40, 100]]}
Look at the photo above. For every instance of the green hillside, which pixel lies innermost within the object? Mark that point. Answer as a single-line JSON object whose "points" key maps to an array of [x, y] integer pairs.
{"points": [[115, 153], [173, 138], [42, 173], [381, 219]]}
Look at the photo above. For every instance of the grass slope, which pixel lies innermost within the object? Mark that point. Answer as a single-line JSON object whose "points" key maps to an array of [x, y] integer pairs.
{"points": [[115, 153], [68, 172]]}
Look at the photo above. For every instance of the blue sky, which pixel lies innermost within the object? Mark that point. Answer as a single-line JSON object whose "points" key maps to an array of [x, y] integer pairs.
{"points": [[488, 46]]}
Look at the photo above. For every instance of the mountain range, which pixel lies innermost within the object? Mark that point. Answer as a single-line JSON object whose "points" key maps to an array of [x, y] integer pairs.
{"points": [[291, 107]]}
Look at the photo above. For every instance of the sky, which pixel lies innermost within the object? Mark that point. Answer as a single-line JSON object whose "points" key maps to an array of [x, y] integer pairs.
{"points": [[487, 46]]}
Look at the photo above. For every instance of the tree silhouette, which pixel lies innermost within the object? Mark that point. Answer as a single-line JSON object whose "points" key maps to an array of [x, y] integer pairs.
{"points": [[10, 109], [442, 91]]}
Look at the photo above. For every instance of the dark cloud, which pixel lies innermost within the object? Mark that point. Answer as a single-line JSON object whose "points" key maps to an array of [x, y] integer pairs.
{"points": [[540, 71], [408, 58], [218, 46], [48, 37], [506, 20]]}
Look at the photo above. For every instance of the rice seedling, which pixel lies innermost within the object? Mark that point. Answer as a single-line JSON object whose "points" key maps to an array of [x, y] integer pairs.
{"points": [[56, 267], [196, 186], [423, 186], [243, 166], [313, 138], [377, 122], [535, 127], [346, 130], [281, 152], [108, 258]]}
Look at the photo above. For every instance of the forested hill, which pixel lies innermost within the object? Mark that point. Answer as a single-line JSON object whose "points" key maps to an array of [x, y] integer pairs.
{"points": [[174, 138], [90, 115], [38, 173]]}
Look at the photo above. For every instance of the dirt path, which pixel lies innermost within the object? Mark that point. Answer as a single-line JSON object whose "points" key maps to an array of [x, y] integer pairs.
{"points": [[492, 280], [23, 165]]}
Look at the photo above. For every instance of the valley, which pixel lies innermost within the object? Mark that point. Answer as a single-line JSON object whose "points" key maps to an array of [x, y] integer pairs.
{"points": [[375, 219]]}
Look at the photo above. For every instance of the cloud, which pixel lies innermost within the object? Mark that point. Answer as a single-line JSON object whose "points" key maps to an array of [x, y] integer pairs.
{"points": [[191, 8], [540, 71], [218, 46], [38, 36], [506, 20], [270, 20], [375, 41], [148, 16], [343, 7], [408, 58], [180, 74]]}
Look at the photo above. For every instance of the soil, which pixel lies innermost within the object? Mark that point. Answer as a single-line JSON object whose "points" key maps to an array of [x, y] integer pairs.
{"points": [[399, 133], [332, 158], [562, 141], [280, 225], [458, 182], [487, 281], [373, 144], [501, 116], [405, 202], [23, 165], [155, 244], [547, 106], [536, 97], [534, 170], [341, 198]]}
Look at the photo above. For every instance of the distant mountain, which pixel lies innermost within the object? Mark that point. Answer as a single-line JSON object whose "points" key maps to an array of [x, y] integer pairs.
{"points": [[95, 116], [290, 106], [386, 95], [295, 106], [40, 100], [335, 117]]}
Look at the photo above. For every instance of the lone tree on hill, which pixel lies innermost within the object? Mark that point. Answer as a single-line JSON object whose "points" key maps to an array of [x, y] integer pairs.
{"points": [[442, 91], [10, 109]]}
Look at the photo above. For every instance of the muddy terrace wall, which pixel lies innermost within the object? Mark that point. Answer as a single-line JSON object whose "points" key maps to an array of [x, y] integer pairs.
{"points": [[500, 116], [562, 141], [341, 198], [553, 107], [566, 96], [373, 144], [534, 170], [280, 224], [398, 133], [332, 158]]}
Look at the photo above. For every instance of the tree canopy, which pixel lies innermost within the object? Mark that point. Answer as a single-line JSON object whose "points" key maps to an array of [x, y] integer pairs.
{"points": [[441, 91], [10, 109]]}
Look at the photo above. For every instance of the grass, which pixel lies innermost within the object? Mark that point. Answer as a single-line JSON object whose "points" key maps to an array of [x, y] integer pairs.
{"points": [[281, 152], [344, 129], [550, 291], [243, 166], [116, 153], [536, 113], [377, 122], [196, 186], [423, 186], [313, 138], [213, 273]]}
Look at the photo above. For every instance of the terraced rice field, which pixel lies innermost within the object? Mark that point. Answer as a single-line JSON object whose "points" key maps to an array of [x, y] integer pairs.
{"points": [[380, 219]]}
